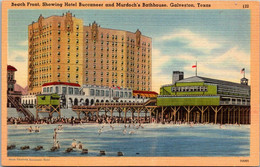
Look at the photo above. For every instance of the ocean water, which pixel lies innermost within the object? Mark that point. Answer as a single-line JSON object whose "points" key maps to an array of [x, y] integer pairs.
{"points": [[153, 140]]}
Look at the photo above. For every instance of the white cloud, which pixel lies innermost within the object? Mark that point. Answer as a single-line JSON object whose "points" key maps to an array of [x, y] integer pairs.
{"points": [[17, 55], [23, 43], [18, 59], [193, 40], [225, 67]]}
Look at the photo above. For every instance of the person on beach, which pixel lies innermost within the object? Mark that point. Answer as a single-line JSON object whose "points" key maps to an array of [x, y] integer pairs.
{"points": [[74, 143]]}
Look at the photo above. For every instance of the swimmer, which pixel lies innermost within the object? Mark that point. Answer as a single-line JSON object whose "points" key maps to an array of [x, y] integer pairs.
{"points": [[124, 131], [74, 143], [60, 127], [99, 131], [112, 127], [80, 146], [55, 135], [56, 145], [131, 132], [30, 129], [37, 129]]}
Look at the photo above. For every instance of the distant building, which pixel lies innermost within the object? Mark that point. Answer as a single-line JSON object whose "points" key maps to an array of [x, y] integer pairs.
{"points": [[15, 95], [63, 49]]}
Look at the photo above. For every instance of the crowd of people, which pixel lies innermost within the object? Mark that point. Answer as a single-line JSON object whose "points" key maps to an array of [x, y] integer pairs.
{"points": [[87, 119]]}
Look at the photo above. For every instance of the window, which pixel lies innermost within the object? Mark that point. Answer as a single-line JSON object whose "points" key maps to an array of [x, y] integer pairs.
{"points": [[102, 92], [130, 95], [64, 90], [76, 91], [70, 90], [48, 89], [107, 93], [97, 92], [91, 92], [44, 89], [56, 89]]}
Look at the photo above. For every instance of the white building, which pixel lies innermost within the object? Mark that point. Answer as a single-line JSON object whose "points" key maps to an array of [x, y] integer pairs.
{"points": [[74, 94]]}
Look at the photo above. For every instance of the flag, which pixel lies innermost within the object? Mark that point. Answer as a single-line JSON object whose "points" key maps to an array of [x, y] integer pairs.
{"points": [[242, 70], [194, 66]]}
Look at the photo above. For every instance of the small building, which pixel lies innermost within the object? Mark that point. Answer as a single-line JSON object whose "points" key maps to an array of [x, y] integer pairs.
{"points": [[11, 93]]}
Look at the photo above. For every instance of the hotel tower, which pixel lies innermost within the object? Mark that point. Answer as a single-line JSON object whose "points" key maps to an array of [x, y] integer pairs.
{"points": [[62, 49]]}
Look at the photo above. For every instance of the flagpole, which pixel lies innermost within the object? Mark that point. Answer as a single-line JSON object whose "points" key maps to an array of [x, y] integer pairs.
{"points": [[245, 73], [196, 68]]}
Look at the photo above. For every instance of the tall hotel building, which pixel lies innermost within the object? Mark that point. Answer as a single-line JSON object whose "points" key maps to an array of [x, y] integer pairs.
{"points": [[62, 49]]}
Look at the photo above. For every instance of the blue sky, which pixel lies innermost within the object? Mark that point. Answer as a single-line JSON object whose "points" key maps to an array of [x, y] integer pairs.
{"points": [[219, 40]]}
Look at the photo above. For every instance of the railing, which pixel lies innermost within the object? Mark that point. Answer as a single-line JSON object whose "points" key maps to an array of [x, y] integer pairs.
{"points": [[234, 103], [20, 107]]}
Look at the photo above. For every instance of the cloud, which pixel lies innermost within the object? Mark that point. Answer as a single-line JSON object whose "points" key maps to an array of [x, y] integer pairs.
{"points": [[23, 43], [192, 40], [18, 55], [225, 66]]}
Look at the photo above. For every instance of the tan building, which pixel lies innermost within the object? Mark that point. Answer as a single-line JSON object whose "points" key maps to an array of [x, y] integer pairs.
{"points": [[116, 57], [62, 49]]}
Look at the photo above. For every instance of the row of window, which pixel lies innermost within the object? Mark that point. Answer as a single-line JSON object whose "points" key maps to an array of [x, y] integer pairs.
{"points": [[107, 93], [115, 37], [115, 81], [190, 89], [45, 27], [65, 90], [68, 26]]}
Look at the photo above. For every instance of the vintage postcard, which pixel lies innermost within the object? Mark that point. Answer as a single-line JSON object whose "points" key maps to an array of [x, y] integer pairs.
{"points": [[130, 83]]}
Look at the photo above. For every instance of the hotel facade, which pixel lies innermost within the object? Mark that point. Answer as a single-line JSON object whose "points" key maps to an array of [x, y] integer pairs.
{"points": [[63, 49]]}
